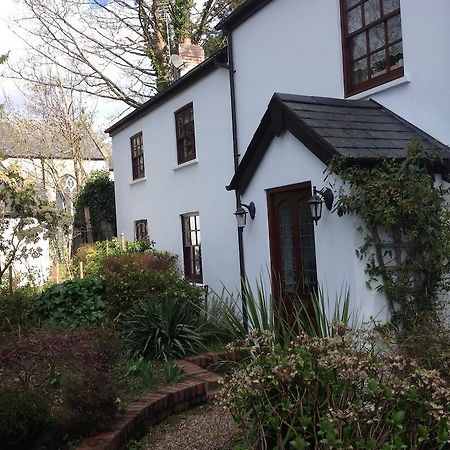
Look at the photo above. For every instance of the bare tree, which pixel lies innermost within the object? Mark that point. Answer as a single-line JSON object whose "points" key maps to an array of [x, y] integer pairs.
{"points": [[55, 146], [113, 49]]}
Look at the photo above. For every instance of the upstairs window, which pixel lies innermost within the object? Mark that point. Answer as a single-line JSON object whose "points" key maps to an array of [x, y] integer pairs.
{"points": [[140, 230], [184, 123], [137, 156], [192, 252], [372, 42]]}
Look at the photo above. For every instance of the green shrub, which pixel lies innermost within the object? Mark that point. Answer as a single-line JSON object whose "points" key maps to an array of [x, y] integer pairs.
{"points": [[73, 303], [23, 417], [131, 278], [163, 328], [341, 392], [16, 309], [93, 255]]}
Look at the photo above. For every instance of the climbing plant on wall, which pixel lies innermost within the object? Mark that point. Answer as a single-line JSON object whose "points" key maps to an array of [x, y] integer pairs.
{"points": [[406, 228], [97, 195]]}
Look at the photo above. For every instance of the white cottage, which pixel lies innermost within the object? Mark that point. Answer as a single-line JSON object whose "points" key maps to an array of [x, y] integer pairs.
{"points": [[361, 79]]}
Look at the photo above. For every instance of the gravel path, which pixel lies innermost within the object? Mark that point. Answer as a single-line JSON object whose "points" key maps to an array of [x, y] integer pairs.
{"points": [[204, 428]]}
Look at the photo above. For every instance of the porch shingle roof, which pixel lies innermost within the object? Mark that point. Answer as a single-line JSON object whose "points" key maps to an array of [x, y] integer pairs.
{"points": [[359, 130]]}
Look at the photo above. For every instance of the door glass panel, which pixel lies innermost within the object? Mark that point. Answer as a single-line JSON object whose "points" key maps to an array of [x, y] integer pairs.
{"points": [[308, 249], [288, 277]]}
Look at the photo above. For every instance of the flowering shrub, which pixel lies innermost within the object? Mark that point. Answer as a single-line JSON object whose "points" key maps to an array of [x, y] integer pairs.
{"points": [[344, 391]]}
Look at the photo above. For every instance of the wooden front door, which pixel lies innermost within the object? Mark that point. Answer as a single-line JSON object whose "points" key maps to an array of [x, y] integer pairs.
{"points": [[292, 248]]}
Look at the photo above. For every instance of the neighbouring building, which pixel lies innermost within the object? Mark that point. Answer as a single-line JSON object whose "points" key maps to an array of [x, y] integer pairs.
{"points": [[300, 82], [58, 172]]}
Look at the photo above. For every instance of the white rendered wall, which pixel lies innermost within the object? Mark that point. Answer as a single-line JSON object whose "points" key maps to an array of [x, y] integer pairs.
{"points": [[287, 161], [294, 46], [169, 190]]}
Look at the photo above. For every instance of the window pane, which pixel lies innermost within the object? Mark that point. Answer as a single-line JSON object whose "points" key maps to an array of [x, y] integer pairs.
{"points": [[390, 5], [395, 56], [287, 248], [394, 28], [372, 11], [377, 64], [359, 71], [354, 19], [350, 3], [376, 37], [358, 46]]}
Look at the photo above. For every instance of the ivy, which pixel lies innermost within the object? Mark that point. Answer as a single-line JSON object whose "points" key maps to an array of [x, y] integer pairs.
{"points": [[98, 195], [407, 228]]}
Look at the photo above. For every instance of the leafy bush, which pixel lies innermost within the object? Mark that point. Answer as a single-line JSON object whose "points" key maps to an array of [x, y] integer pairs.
{"points": [[73, 303], [342, 391], [98, 195], [23, 417], [163, 328], [152, 276], [16, 309], [93, 255]]}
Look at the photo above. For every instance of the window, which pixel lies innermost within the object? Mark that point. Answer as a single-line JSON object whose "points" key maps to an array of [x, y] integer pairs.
{"points": [[184, 124], [372, 42], [140, 230], [192, 253], [137, 156]]}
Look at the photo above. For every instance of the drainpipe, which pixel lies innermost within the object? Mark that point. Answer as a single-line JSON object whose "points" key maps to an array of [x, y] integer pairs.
{"points": [[236, 163]]}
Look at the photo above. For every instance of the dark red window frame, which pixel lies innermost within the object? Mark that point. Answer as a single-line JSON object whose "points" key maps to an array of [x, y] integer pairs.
{"points": [[367, 33], [192, 249], [140, 229], [137, 156], [185, 132]]}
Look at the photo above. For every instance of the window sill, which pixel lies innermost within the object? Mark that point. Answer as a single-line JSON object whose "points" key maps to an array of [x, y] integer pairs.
{"points": [[138, 180], [187, 163], [382, 87]]}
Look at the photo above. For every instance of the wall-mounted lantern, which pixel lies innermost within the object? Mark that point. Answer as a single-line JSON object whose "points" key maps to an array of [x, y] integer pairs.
{"points": [[241, 214], [315, 203]]}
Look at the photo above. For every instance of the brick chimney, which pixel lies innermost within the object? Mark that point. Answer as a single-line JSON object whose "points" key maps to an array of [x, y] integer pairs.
{"points": [[192, 55]]}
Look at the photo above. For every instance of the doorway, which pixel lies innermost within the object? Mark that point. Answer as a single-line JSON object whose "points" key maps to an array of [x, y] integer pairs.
{"points": [[292, 247]]}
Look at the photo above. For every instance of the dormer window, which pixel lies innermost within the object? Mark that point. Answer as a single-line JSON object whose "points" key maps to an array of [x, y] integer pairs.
{"points": [[372, 43], [184, 125]]}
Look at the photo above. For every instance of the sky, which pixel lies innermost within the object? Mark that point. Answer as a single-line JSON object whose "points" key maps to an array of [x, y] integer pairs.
{"points": [[9, 42], [9, 88]]}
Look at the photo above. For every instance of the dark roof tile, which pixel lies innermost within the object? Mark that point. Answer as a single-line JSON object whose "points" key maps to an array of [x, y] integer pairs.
{"points": [[362, 130]]}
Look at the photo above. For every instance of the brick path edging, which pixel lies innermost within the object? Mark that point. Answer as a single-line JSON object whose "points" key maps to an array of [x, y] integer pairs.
{"points": [[154, 407]]}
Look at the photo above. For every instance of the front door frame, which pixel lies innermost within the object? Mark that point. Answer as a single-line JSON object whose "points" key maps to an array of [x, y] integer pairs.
{"points": [[275, 248]]}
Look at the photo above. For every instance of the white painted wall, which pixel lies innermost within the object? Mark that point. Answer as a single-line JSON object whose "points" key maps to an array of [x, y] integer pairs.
{"points": [[287, 161], [294, 46], [169, 190]]}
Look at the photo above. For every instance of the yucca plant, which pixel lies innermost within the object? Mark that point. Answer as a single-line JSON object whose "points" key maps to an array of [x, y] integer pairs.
{"points": [[265, 313], [164, 329]]}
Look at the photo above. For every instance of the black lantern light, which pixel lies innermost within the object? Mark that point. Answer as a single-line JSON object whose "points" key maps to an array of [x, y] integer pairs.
{"points": [[316, 202], [241, 214]]}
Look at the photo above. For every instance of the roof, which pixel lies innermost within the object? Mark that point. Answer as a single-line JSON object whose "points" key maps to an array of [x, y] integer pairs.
{"points": [[362, 131], [27, 139], [189, 78], [241, 14]]}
